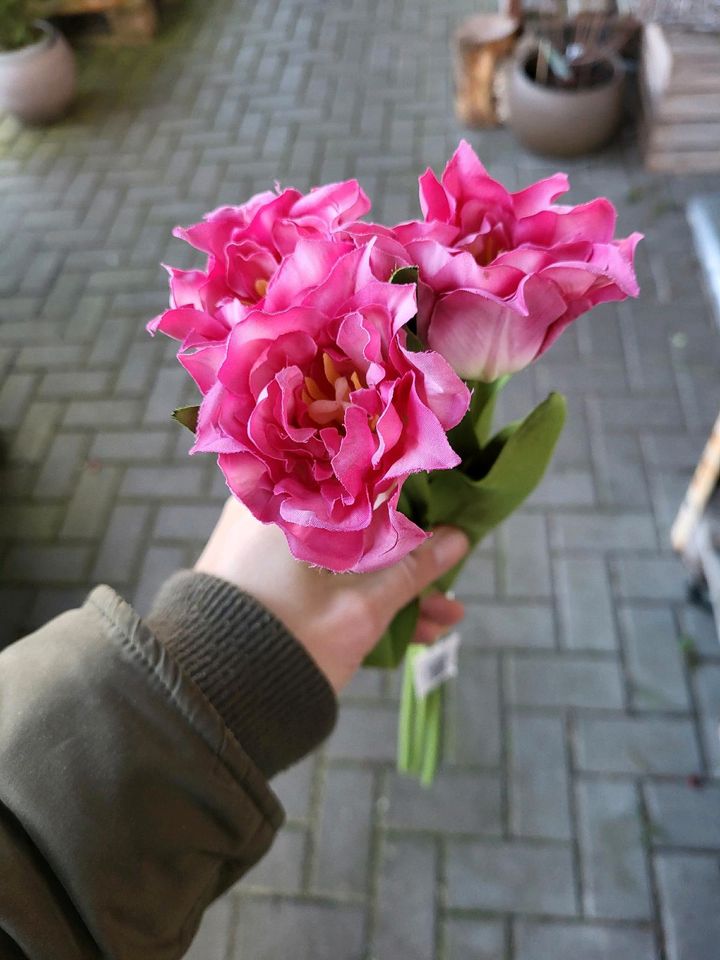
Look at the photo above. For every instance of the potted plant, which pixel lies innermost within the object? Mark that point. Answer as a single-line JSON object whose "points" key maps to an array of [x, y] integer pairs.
{"points": [[566, 88], [37, 66]]}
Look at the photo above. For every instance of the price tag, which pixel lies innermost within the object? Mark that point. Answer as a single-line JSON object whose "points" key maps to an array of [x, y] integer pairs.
{"points": [[435, 665]]}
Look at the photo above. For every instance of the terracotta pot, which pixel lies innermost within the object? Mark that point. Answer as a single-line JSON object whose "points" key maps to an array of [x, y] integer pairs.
{"points": [[37, 82], [564, 123]]}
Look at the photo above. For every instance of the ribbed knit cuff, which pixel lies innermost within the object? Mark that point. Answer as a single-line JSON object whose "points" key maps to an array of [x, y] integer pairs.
{"points": [[262, 682]]}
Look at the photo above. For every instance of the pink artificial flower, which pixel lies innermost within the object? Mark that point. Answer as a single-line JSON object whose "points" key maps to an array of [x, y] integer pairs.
{"points": [[320, 413], [245, 246], [503, 274]]}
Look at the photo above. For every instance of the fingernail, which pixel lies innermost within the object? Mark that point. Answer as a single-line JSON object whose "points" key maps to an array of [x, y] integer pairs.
{"points": [[450, 545]]}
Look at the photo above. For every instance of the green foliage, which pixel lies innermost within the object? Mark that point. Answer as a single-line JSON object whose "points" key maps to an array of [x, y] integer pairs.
{"points": [[16, 25], [187, 416]]}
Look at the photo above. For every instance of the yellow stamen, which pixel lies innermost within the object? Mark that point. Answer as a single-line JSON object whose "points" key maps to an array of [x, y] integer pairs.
{"points": [[261, 286], [313, 389], [331, 371], [355, 380]]}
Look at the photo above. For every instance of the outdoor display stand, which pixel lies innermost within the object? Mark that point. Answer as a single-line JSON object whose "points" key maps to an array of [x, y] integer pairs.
{"points": [[695, 534]]}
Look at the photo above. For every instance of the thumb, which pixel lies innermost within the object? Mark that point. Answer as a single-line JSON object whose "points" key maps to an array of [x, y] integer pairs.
{"points": [[405, 580]]}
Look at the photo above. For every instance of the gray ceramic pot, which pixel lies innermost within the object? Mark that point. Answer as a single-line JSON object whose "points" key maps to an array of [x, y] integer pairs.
{"points": [[564, 123], [37, 82]]}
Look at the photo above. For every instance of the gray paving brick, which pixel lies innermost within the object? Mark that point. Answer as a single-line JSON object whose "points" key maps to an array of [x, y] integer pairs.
{"points": [[123, 537], [73, 383], [589, 941], [479, 939], [529, 878], [614, 879], [158, 564], [684, 814], [405, 924], [477, 578], [366, 733], [637, 746], [597, 532], [538, 778], [266, 929], [587, 620], [34, 521], [156, 482], [563, 680], [15, 393], [101, 413], [458, 802], [524, 557], [343, 842], [689, 892], [52, 564], [504, 625], [648, 578], [707, 685], [654, 659], [61, 465], [176, 522], [130, 445], [35, 432], [472, 713], [564, 487], [293, 787], [212, 939], [88, 510], [281, 868]]}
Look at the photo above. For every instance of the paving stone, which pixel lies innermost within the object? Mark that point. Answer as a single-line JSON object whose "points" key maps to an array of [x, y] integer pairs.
{"points": [[689, 893], [177, 522], [293, 788], [101, 413], [343, 842], [159, 563], [157, 482], [649, 578], [614, 880], [405, 923], [212, 939], [49, 563], [707, 685], [586, 609], [504, 625], [479, 939], [654, 659], [517, 877], [637, 746], [281, 868], [590, 941], [131, 446], [563, 680], [524, 557], [266, 929], [90, 504], [458, 802], [62, 464], [15, 393], [538, 787], [564, 487], [472, 713], [596, 532], [30, 521], [684, 814], [73, 383], [122, 541], [477, 578], [365, 733]]}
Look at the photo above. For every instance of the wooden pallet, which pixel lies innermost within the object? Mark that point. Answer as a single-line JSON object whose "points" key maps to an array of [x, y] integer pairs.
{"points": [[680, 87], [129, 21]]}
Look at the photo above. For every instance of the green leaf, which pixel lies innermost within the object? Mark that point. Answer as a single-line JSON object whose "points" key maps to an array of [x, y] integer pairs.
{"points": [[394, 642], [405, 275], [413, 342], [471, 434], [523, 454], [187, 416]]}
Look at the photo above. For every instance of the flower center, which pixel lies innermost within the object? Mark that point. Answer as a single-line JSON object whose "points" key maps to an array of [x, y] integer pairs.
{"points": [[327, 402], [261, 286]]}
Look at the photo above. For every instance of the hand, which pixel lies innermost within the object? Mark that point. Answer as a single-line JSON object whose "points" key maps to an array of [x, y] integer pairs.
{"points": [[338, 618]]}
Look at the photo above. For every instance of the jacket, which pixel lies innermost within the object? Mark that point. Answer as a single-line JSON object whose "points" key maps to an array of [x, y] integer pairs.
{"points": [[134, 765]]}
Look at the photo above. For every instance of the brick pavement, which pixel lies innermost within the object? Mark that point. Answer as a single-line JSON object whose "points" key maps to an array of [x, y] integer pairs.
{"points": [[564, 824]]}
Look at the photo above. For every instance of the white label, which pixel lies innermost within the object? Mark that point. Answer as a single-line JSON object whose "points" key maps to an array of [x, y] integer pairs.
{"points": [[437, 664]]}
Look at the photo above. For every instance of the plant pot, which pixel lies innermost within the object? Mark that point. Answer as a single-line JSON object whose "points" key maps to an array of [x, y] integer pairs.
{"points": [[564, 123], [37, 82]]}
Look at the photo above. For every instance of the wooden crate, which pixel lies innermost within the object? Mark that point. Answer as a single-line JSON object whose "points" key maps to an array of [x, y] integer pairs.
{"points": [[130, 21]]}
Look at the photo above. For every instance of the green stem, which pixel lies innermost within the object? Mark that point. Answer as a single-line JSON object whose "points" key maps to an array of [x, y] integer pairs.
{"points": [[431, 746]]}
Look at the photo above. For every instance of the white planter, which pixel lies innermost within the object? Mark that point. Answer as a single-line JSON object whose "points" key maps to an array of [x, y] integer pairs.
{"points": [[37, 82]]}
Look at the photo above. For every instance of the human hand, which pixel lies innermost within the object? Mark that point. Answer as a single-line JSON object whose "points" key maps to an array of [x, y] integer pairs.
{"points": [[338, 618]]}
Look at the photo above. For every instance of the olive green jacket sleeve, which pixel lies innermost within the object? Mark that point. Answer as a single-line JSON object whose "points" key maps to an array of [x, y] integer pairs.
{"points": [[134, 759]]}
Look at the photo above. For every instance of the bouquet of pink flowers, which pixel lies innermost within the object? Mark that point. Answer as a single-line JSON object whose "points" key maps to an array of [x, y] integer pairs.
{"points": [[349, 370]]}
